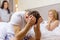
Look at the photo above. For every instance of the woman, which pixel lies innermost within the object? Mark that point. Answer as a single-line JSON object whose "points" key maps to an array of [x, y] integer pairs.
{"points": [[51, 30], [53, 20], [5, 12]]}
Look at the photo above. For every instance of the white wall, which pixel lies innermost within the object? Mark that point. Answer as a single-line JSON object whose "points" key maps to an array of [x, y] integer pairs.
{"points": [[1, 1], [44, 10], [28, 4]]}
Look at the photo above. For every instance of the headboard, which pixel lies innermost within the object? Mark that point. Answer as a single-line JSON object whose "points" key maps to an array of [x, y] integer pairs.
{"points": [[44, 10]]}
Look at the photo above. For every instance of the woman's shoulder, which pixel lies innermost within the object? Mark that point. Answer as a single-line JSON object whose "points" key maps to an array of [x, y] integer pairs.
{"points": [[56, 21]]}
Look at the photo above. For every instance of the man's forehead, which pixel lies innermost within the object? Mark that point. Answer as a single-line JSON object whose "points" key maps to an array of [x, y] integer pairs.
{"points": [[26, 13]]}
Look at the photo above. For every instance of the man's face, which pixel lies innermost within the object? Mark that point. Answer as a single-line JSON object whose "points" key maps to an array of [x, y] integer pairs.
{"points": [[26, 16]]}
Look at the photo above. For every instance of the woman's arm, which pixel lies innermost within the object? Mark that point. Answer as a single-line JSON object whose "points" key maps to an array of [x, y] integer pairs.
{"points": [[53, 25]]}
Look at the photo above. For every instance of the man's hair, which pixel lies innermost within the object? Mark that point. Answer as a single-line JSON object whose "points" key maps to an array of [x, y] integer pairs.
{"points": [[36, 14]]}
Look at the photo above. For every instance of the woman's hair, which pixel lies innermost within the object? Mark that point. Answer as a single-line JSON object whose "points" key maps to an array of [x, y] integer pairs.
{"points": [[2, 6], [55, 13], [36, 14]]}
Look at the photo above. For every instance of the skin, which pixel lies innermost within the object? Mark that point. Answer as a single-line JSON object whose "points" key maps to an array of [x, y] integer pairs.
{"points": [[37, 29], [5, 5], [52, 22], [22, 33], [16, 29], [30, 22]]}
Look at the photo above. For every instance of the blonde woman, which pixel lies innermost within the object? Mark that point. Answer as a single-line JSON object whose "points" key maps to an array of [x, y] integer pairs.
{"points": [[52, 20], [51, 29]]}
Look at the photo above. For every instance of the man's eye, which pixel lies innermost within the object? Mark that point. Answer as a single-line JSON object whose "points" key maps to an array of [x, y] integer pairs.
{"points": [[26, 17]]}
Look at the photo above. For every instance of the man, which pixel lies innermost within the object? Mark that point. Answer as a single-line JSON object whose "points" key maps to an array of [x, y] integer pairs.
{"points": [[25, 22]]}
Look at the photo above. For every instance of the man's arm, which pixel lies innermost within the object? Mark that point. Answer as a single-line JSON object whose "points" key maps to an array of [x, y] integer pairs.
{"points": [[23, 32], [37, 32], [37, 29]]}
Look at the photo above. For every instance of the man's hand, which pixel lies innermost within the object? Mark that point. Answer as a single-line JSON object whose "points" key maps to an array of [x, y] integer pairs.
{"points": [[37, 29], [38, 23], [22, 33], [31, 20]]}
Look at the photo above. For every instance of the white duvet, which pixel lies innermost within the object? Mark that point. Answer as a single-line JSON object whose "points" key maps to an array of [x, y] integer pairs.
{"points": [[49, 35]]}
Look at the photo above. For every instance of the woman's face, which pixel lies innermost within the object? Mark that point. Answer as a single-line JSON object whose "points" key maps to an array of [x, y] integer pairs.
{"points": [[5, 5], [51, 15]]}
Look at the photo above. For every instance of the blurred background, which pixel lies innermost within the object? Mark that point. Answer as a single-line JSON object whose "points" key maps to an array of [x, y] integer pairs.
{"points": [[41, 5]]}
